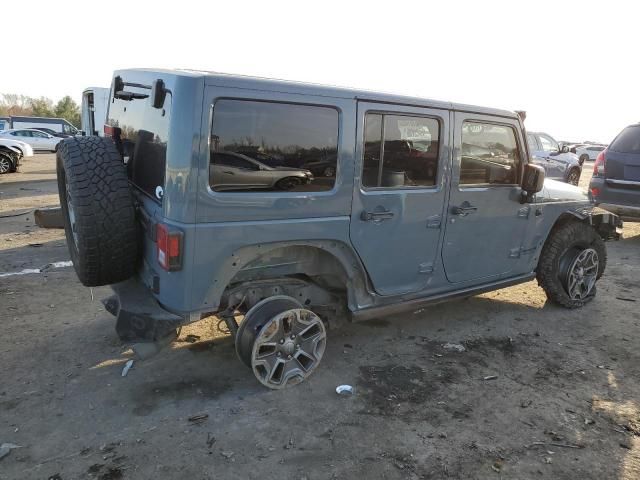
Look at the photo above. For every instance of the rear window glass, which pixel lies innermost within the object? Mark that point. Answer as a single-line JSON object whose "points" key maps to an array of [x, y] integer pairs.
{"points": [[628, 141], [269, 146], [144, 131]]}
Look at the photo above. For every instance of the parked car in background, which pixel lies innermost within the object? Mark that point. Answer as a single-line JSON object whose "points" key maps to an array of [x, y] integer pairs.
{"points": [[51, 131], [558, 163], [615, 185], [38, 140], [11, 153], [588, 152], [234, 171], [60, 125]]}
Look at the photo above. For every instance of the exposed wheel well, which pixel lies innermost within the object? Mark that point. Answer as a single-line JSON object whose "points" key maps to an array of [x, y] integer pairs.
{"points": [[322, 275]]}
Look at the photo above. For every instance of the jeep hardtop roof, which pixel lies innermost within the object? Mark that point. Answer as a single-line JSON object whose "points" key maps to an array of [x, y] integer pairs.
{"points": [[249, 82]]}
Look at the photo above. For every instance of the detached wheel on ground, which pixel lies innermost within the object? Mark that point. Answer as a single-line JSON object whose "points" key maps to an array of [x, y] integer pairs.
{"points": [[572, 260], [281, 341], [98, 210]]}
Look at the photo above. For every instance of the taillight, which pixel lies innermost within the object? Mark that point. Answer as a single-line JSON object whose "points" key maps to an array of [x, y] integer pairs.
{"points": [[599, 166], [169, 243], [113, 132]]}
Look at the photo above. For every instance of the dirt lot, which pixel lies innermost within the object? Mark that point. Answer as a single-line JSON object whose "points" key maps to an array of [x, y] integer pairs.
{"points": [[564, 403]]}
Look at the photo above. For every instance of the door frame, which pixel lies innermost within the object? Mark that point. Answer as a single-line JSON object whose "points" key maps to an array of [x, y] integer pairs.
{"points": [[443, 173]]}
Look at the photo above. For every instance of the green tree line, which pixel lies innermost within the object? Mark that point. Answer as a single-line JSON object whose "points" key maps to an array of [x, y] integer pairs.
{"points": [[23, 105]]}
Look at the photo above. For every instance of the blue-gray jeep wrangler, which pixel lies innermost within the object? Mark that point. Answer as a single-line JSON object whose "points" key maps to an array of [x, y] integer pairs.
{"points": [[296, 206]]}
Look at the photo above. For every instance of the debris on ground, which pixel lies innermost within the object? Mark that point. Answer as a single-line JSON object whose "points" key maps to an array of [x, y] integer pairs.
{"points": [[227, 455], [5, 449], [490, 377], [199, 418], [191, 338], [127, 367], [210, 440], [345, 390], [290, 444], [454, 347]]}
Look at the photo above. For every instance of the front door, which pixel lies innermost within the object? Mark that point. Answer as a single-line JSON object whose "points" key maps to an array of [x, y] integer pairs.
{"points": [[486, 222], [399, 193]]}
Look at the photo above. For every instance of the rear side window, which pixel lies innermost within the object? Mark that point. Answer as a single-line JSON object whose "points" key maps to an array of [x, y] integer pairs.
{"points": [[269, 146], [628, 141], [142, 140], [400, 151], [489, 154]]}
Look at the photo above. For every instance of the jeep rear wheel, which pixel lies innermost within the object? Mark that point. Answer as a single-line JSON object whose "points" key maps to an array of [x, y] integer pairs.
{"points": [[572, 260], [98, 211], [281, 341]]}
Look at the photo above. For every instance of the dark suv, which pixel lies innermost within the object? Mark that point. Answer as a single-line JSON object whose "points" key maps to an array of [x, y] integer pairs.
{"points": [[615, 185]]}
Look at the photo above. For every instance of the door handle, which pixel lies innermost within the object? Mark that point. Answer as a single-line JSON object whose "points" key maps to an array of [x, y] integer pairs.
{"points": [[376, 216], [464, 209]]}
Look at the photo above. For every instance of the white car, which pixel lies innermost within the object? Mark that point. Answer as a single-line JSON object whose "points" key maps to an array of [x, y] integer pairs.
{"points": [[39, 141], [11, 152], [588, 152]]}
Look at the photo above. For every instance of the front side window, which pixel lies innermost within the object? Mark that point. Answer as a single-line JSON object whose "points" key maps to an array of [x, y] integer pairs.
{"points": [[489, 154], [268, 146], [548, 144], [400, 151], [68, 128]]}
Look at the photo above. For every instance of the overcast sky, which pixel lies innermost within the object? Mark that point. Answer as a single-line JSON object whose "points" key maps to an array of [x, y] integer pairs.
{"points": [[573, 66]]}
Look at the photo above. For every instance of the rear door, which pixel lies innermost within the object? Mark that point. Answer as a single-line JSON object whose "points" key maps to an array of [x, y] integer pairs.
{"points": [[486, 224], [399, 193]]}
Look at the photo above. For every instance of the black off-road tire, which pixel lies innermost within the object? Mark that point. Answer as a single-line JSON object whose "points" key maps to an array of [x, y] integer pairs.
{"points": [[104, 249], [564, 239]]}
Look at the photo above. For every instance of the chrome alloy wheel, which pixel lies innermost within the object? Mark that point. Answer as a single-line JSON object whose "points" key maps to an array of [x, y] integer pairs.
{"points": [[288, 348], [582, 274]]}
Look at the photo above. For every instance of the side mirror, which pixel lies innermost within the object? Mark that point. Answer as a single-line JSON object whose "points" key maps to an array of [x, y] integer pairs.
{"points": [[158, 94], [564, 149], [532, 180]]}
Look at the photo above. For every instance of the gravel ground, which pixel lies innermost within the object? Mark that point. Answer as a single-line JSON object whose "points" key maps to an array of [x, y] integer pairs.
{"points": [[538, 392]]}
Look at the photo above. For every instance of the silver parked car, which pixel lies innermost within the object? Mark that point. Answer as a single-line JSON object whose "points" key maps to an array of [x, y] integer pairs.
{"points": [[38, 140], [235, 171]]}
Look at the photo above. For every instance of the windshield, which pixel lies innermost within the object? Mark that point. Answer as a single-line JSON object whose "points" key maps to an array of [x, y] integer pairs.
{"points": [[628, 141]]}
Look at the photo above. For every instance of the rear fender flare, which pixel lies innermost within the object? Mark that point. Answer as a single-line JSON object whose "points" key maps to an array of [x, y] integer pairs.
{"points": [[310, 257]]}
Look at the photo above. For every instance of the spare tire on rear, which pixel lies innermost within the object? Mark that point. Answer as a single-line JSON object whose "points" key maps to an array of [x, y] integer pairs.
{"points": [[98, 210]]}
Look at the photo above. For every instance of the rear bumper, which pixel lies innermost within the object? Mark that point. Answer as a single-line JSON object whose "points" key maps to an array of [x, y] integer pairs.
{"points": [[139, 317], [625, 212], [623, 200]]}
